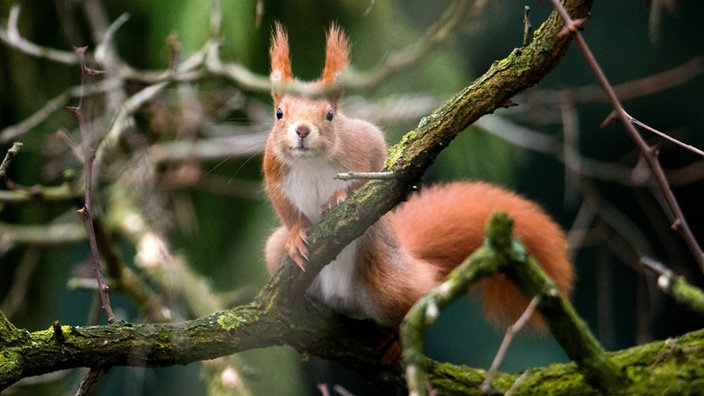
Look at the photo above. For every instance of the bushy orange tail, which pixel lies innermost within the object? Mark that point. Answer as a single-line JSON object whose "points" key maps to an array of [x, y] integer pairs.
{"points": [[444, 224]]}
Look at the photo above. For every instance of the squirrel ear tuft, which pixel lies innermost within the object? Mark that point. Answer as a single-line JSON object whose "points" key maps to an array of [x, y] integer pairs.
{"points": [[336, 55], [279, 54]]}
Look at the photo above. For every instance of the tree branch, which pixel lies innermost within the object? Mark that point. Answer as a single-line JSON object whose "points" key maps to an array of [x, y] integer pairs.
{"points": [[650, 154], [502, 253], [9, 156], [86, 211]]}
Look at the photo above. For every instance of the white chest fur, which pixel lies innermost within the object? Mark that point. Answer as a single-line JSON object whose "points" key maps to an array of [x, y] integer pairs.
{"points": [[338, 286], [309, 185]]}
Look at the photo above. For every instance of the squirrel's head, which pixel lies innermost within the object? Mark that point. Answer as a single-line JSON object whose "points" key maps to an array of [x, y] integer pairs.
{"points": [[305, 126]]}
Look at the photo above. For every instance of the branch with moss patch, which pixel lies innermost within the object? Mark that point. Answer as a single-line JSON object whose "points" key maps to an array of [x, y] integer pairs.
{"points": [[502, 253], [676, 286]]}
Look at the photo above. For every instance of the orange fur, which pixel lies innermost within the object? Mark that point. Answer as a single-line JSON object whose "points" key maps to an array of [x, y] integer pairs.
{"points": [[443, 224], [309, 143], [278, 53], [407, 252], [336, 55]]}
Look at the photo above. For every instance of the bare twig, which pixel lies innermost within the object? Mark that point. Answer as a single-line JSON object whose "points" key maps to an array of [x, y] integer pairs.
{"points": [[259, 12], [511, 331], [438, 33], [17, 295], [655, 16], [639, 87], [51, 106], [658, 268], [365, 176], [527, 27], [518, 382], [91, 378], [9, 156], [207, 60], [87, 209], [42, 235], [11, 36], [215, 20], [649, 153], [530, 139], [666, 136]]}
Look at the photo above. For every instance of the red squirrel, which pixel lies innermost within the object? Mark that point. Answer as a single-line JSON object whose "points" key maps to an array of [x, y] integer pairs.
{"points": [[381, 274]]}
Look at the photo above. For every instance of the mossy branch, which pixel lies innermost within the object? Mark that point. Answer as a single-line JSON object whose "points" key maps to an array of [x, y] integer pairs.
{"points": [[654, 368], [676, 286], [501, 253]]}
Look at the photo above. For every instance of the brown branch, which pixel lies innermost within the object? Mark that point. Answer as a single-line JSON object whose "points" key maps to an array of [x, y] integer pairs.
{"points": [[88, 154], [511, 332], [649, 153], [11, 36], [648, 85], [667, 137]]}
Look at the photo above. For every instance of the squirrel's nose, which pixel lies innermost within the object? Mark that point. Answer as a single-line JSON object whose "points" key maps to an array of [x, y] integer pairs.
{"points": [[302, 131]]}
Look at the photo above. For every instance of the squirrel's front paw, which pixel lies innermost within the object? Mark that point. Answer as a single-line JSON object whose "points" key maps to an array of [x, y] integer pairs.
{"points": [[336, 198], [297, 246]]}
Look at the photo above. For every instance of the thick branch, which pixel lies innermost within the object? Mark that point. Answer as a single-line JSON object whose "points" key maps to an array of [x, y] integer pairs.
{"points": [[243, 328]]}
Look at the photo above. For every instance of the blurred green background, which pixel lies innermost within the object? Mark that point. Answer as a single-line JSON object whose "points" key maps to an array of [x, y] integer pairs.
{"points": [[218, 220]]}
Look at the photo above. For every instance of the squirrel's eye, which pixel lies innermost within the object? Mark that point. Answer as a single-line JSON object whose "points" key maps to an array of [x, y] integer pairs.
{"points": [[279, 113], [329, 115]]}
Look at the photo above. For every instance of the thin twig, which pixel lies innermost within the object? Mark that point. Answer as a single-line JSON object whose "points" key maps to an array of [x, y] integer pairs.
{"points": [[52, 234], [9, 156], [438, 33], [87, 209], [518, 382], [649, 153], [18, 294], [511, 331], [668, 137], [215, 20], [51, 106], [366, 176], [11, 36], [91, 378], [636, 88], [656, 267], [207, 59], [527, 27]]}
